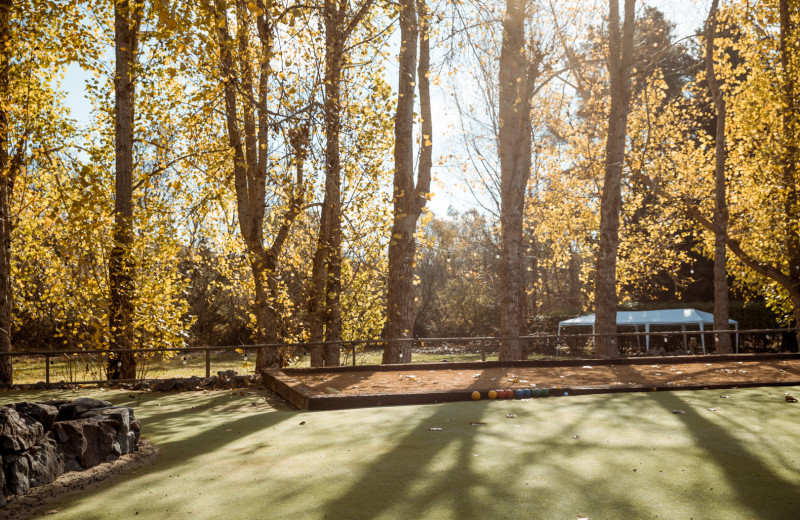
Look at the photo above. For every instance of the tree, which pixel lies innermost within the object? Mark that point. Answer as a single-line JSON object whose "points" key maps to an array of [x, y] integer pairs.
{"points": [[326, 281], [121, 266], [721, 207], [619, 69], [409, 199], [9, 165], [248, 138], [517, 78]]}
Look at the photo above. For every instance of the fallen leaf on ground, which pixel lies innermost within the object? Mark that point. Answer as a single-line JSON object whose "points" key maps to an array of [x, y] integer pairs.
{"points": [[725, 396], [511, 415], [712, 409], [679, 412], [436, 429], [576, 436], [790, 399]]}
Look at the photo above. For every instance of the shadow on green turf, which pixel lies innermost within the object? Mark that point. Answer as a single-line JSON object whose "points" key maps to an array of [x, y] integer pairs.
{"points": [[761, 490]]}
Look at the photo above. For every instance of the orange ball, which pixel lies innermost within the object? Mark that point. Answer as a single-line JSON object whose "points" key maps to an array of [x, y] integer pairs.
{"points": [[492, 394], [476, 395]]}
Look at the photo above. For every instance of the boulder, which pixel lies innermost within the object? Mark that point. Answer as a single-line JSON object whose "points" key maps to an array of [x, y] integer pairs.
{"points": [[3, 490], [44, 413], [73, 409], [17, 469], [165, 385], [18, 431], [46, 463], [88, 441], [120, 418]]}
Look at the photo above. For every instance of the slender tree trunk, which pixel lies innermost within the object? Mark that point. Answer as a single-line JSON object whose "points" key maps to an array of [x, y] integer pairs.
{"points": [[619, 69], [316, 297], [516, 77], [334, 49], [791, 157], [723, 341], [6, 189], [409, 200], [121, 265]]}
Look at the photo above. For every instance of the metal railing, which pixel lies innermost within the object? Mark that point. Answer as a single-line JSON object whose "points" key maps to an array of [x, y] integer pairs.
{"points": [[553, 345]]}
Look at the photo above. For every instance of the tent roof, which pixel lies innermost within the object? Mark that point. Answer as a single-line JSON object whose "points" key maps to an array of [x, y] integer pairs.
{"points": [[658, 317]]}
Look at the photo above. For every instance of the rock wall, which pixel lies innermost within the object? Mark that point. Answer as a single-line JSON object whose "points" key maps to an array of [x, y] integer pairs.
{"points": [[41, 441]]}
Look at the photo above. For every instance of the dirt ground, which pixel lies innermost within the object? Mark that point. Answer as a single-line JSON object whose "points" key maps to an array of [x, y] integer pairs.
{"points": [[484, 379]]}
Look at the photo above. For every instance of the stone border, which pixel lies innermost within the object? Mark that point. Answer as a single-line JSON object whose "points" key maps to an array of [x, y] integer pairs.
{"points": [[303, 397]]}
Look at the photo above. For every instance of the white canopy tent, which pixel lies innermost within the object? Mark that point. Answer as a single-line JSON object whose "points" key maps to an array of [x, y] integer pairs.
{"points": [[646, 319]]}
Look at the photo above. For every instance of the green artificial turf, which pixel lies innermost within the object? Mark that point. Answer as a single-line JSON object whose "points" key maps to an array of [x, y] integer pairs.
{"points": [[622, 456]]}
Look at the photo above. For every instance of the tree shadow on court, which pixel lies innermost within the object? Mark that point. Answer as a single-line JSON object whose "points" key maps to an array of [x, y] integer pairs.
{"points": [[758, 487], [430, 472]]}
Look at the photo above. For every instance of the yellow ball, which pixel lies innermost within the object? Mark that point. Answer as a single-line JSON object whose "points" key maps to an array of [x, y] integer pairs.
{"points": [[476, 395], [492, 394]]}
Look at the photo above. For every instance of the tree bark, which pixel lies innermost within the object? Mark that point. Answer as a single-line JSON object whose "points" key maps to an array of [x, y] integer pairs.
{"points": [[334, 49], [122, 265], [6, 190], [409, 200], [324, 299], [723, 341], [619, 69], [791, 155], [516, 87]]}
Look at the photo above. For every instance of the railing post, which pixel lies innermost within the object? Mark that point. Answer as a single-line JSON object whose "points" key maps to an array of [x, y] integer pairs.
{"points": [[47, 369], [208, 363], [353, 348]]}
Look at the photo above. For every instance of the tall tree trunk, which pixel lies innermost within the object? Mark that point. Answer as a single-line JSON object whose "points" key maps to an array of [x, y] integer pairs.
{"points": [[6, 189], [334, 49], [324, 299], [409, 200], [619, 70], [516, 77], [121, 265], [791, 155], [723, 341]]}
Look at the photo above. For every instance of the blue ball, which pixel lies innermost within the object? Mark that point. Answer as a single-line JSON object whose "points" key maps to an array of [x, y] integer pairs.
{"points": [[518, 394], [545, 392], [526, 394]]}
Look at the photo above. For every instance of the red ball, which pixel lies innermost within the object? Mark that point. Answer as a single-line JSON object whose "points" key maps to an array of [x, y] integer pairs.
{"points": [[509, 394], [501, 394]]}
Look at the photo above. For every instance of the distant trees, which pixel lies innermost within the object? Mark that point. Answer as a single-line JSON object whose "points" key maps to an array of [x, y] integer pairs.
{"points": [[233, 180]]}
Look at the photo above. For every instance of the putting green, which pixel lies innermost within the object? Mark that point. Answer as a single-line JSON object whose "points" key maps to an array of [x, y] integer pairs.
{"points": [[228, 456]]}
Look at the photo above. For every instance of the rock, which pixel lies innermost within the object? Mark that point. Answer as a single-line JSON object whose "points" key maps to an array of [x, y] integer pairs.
{"points": [[18, 431], [44, 413], [165, 385], [120, 417], [46, 463], [227, 374], [17, 471], [87, 441], [209, 382], [3, 490], [73, 409]]}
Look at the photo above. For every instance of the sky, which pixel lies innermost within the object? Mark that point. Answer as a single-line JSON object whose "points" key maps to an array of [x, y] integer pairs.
{"points": [[448, 187]]}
